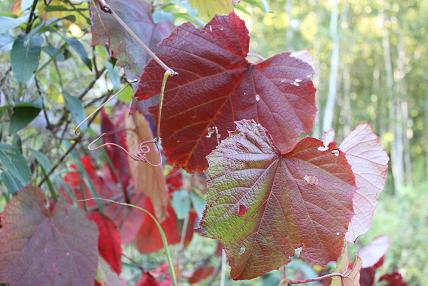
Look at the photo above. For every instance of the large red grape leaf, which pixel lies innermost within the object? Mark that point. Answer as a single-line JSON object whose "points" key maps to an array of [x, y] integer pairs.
{"points": [[369, 163], [108, 240], [147, 178], [262, 205], [137, 14], [148, 239], [43, 247], [216, 86]]}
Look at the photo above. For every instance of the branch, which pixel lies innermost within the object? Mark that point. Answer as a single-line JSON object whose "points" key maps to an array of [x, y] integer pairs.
{"points": [[107, 9], [58, 163]]}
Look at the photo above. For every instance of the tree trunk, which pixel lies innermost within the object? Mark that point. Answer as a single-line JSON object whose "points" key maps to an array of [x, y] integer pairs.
{"points": [[334, 66], [396, 146]]}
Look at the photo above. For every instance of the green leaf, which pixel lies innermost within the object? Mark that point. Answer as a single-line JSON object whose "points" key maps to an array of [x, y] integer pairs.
{"points": [[209, 9], [15, 164], [75, 107], [23, 114], [8, 23], [181, 203], [80, 50], [198, 204], [10, 183], [6, 42], [126, 94], [25, 56], [42, 159], [113, 75]]}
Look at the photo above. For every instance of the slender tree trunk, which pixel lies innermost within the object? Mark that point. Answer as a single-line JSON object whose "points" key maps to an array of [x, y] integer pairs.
{"points": [[347, 110], [334, 67], [290, 31], [316, 132], [426, 131], [396, 155]]}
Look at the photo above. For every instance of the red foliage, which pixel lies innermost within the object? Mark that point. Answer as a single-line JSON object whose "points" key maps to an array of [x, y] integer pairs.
{"points": [[217, 86], [302, 198], [393, 279], [108, 240], [148, 238]]}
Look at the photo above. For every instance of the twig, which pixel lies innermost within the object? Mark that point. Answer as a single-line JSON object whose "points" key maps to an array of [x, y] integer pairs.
{"points": [[287, 282], [58, 163], [107, 9], [31, 17], [134, 262]]}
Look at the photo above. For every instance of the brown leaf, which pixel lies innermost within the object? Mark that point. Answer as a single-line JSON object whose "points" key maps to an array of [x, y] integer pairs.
{"points": [[147, 178]]}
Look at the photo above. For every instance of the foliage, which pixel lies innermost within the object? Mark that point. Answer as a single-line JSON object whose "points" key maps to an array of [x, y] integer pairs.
{"points": [[203, 138]]}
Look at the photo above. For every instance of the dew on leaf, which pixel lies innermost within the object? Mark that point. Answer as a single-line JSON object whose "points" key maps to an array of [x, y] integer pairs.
{"points": [[242, 210], [257, 97], [337, 233], [212, 130], [322, 148], [298, 80], [242, 250], [335, 152], [311, 180]]}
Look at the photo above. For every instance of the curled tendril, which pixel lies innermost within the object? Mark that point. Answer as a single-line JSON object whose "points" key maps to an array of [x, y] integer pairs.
{"points": [[140, 155]]}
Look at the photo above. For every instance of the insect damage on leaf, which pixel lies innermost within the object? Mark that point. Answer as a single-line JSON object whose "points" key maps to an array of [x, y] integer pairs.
{"points": [[40, 246], [216, 86], [284, 210]]}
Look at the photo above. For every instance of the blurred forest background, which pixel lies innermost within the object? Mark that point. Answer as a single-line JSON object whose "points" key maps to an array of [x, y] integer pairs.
{"points": [[371, 60]]}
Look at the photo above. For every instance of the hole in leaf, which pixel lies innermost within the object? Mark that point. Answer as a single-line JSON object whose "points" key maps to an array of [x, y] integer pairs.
{"points": [[242, 210], [311, 180], [242, 250]]}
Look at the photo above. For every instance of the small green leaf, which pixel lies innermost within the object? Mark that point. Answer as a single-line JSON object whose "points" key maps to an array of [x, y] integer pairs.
{"points": [[113, 75], [25, 56], [6, 42], [80, 50], [42, 159], [126, 94], [8, 23], [198, 203], [209, 9], [75, 107], [181, 203], [23, 114], [10, 183]]}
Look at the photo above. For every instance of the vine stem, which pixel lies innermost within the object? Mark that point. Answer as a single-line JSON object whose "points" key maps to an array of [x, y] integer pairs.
{"points": [[158, 226], [107, 9], [166, 75], [287, 282]]}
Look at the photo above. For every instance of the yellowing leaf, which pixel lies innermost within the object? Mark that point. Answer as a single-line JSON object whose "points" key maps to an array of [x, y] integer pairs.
{"points": [[207, 9], [147, 178]]}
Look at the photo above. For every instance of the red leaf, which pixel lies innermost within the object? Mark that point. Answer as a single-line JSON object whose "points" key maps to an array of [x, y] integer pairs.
{"points": [[43, 247], [374, 252], [201, 274], [149, 240], [137, 14], [158, 277], [216, 86], [117, 157], [128, 220], [369, 163], [285, 211], [393, 279], [108, 240]]}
